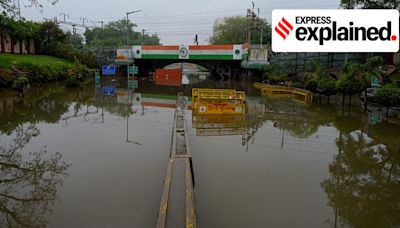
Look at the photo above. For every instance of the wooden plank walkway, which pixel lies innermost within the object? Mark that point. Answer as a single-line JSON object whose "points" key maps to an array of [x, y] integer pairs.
{"points": [[177, 209]]}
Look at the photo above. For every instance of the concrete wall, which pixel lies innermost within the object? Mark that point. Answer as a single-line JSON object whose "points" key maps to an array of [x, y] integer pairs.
{"points": [[8, 43], [27, 47]]}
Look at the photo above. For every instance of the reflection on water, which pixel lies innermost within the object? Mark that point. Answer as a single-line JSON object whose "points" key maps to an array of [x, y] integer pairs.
{"points": [[28, 182], [283, 164], [363, 186]]}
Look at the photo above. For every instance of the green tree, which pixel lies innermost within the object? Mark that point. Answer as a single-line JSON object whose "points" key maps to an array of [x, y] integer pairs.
{"points": [[233, 30], [7, 5], [363, 73], [73, 39], [348, 85], [50, 36], [315, 70], [114, 34], [327, 88], [312, 85], [370, 4], [273, 75], [388, 96]]}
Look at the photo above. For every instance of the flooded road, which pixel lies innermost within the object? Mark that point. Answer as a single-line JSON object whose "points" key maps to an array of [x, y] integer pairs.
{"points": [[101, 163]]}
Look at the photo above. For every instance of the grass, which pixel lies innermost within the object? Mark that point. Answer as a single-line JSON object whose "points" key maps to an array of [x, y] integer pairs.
{"points": [[6, 60]]}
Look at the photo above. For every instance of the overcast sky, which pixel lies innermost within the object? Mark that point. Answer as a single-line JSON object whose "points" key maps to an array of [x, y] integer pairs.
{"points": [[175, 21]]}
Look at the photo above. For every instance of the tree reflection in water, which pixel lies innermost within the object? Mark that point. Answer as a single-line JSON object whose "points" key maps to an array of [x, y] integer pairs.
{"points": [[28, 182], [364, 186]]}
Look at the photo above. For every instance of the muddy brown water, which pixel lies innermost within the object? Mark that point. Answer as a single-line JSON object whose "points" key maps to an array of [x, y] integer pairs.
{"points": [[73, 158]]}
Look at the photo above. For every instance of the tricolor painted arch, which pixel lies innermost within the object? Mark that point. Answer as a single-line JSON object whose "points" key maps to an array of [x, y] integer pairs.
{"points": [[195, 52]]}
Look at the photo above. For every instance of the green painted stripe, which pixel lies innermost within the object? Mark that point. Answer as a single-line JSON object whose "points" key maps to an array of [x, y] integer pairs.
{"points": [[208, 56], [160, 56]]}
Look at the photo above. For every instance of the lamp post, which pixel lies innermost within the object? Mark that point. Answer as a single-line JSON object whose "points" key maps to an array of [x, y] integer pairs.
{"points": [[127, 42], [127, 70]]}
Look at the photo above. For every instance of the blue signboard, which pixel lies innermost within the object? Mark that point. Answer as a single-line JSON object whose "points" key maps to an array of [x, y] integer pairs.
{"points": [[109, 90], [108, 70]]}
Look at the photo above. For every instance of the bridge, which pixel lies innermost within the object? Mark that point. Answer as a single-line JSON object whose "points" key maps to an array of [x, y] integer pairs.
{"points": [[228, 59]]}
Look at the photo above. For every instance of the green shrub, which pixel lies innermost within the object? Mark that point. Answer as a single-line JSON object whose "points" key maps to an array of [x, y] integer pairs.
{"points": [[52, 72], [297, 85], [20, 83], [6, 78], [388, 96], [312, 85], [327, 88]]}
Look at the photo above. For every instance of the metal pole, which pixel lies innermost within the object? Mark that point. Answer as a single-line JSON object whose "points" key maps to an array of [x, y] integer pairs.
{"points": [[127, 45], [143, 36]]}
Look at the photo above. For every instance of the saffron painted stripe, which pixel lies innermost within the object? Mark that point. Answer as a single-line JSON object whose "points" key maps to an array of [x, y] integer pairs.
{"points": [[211, 52], [160, 47], [216, 57], [211, 47], [155, 56]]}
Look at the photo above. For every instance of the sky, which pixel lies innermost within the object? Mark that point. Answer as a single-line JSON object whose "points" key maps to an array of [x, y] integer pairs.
{"points": [[174, 21]]}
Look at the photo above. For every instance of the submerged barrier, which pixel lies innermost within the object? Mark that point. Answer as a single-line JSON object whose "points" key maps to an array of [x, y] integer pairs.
{"points": [[218, 101], [300, 95]]}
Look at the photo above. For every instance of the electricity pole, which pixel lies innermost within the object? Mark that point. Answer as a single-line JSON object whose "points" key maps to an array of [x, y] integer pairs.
{"points": [[261, 27], [143, 36], [64, 15], [83, 20]]}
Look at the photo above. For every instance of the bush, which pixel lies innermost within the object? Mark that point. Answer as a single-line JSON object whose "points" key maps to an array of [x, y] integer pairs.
{"points": [[20, 83], [54, 72], [388, 96], [348, 85], [327, 88], [6, 78], [297, 85], [312, 85]]}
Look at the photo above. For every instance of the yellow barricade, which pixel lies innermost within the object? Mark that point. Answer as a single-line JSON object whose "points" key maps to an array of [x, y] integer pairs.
{"points": [[301, 95], [218, 101]]}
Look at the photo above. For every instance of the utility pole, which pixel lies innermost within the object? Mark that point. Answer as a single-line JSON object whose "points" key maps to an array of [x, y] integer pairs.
{"points": [[261, 27], [74, 29], [143, 30], [83, 20], [64, 15], [250, 19], [16, 8]]}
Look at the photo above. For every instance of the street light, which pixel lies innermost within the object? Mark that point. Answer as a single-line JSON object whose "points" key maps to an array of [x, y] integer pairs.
{"points": [[127, 43], [127, 69]]}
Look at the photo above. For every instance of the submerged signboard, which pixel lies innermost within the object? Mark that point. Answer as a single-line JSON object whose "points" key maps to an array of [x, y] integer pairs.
{"points": [[108, 70]]}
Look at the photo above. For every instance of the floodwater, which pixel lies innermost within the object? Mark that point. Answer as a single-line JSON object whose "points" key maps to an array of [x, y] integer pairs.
{"points": [[75, 158]]}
